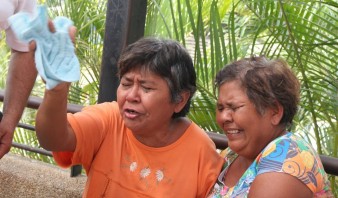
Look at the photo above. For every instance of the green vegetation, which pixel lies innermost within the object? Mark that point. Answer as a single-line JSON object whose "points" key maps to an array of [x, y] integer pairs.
{"points": [[304, 33]]}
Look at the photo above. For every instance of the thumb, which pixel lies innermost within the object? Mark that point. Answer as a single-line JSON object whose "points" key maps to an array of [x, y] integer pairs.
{"points": [[72, 33], [32, 46]]}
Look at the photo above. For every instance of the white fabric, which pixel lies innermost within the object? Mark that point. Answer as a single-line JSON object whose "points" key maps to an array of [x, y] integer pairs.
{"points": [[55, 56], [9, 8]]}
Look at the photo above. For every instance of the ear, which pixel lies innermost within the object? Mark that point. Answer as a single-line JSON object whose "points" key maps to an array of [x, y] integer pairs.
{"points": [[184, 99], [277, 114]]}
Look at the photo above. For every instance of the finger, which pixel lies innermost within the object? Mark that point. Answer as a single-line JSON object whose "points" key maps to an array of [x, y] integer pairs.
{"points": [[5, 145], [32, 46], [72, 33], [3, 150], [51, 26]]}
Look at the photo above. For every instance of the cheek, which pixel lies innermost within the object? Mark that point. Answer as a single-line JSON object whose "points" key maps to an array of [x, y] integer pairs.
{"points": [[219, 118], [120, 92], [120, 98]]}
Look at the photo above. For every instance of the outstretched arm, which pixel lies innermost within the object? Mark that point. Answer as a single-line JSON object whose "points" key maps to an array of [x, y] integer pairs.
{"points": [[52, 128], [20, 81]]}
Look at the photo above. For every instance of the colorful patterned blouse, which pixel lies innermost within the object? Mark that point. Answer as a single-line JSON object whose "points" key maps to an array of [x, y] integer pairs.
{"points": [[288, 154]]}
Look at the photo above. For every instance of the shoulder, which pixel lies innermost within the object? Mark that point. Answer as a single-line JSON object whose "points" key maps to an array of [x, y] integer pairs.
{"points": [[195, 132], [98, 112], [288, 147], [292, 155], [102, 107]]}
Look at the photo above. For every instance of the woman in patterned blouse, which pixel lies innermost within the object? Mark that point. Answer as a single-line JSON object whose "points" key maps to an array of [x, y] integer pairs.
{"points": [[257, 100]]}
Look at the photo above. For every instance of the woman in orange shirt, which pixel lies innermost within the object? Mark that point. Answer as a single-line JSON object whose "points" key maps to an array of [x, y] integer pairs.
{"points": [[141, 145]]}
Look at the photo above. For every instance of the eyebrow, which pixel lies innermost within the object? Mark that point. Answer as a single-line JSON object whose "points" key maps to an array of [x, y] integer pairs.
{"points": [[225, 104], [129, 79]]}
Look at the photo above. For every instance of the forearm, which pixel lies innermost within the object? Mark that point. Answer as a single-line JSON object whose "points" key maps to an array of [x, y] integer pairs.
{"points": [[20, 81], [52, 127]]}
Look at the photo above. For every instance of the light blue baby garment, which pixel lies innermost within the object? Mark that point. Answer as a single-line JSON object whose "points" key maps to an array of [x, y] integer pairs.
{"points": [[54, 56]]}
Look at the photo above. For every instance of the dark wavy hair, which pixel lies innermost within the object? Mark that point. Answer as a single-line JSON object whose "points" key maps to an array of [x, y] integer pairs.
{"points": [[265, 83], [166, 58]]}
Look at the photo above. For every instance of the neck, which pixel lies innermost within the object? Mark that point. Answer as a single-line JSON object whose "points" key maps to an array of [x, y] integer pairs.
{"points": [[166, 136], [279, 132]]}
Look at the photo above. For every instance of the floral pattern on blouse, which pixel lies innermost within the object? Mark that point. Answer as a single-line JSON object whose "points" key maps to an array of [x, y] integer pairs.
{"points": [[148, 174], [288, 154]]}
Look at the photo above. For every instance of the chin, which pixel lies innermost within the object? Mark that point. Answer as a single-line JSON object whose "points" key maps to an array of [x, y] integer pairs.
{"points": [[235, 147]]}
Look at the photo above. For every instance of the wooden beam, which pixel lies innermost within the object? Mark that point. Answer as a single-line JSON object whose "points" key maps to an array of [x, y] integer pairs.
{"points": [[125, 22]]}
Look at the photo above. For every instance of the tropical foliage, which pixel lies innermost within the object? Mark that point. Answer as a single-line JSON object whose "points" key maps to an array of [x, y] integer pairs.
{"points": [[303, 32]]}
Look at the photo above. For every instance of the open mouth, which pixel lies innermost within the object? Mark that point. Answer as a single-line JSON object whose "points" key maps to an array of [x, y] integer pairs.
{"points": [[130, 113]]}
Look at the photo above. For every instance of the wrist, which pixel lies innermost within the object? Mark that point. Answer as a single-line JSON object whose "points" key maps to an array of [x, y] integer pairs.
{"points": [[7, 125], [58, 95], [60, 88]]}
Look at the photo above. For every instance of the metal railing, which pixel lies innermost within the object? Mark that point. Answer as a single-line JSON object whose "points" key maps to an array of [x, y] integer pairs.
{"points": [[34, 103], [220, 140]]}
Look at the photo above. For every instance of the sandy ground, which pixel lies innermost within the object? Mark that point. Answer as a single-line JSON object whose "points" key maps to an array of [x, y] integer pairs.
{"points": [[25, 178]]}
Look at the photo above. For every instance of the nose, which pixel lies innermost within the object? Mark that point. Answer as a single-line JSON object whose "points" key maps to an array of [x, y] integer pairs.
{"points": [[224, 117], [133, 94]]}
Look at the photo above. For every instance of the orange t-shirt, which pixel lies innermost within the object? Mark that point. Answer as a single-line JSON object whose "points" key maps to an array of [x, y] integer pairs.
{"points": [[118, 165]]}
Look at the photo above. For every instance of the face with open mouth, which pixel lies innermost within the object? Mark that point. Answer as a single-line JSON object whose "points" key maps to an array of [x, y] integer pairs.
{"points": [[144, 102], [247, 131]]}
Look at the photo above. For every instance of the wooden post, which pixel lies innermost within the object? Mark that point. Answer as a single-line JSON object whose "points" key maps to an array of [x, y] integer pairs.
{"points": [[125, 21]]}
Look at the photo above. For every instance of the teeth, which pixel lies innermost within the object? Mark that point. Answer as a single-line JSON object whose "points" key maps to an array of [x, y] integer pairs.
{"points": [[233, 131]]}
